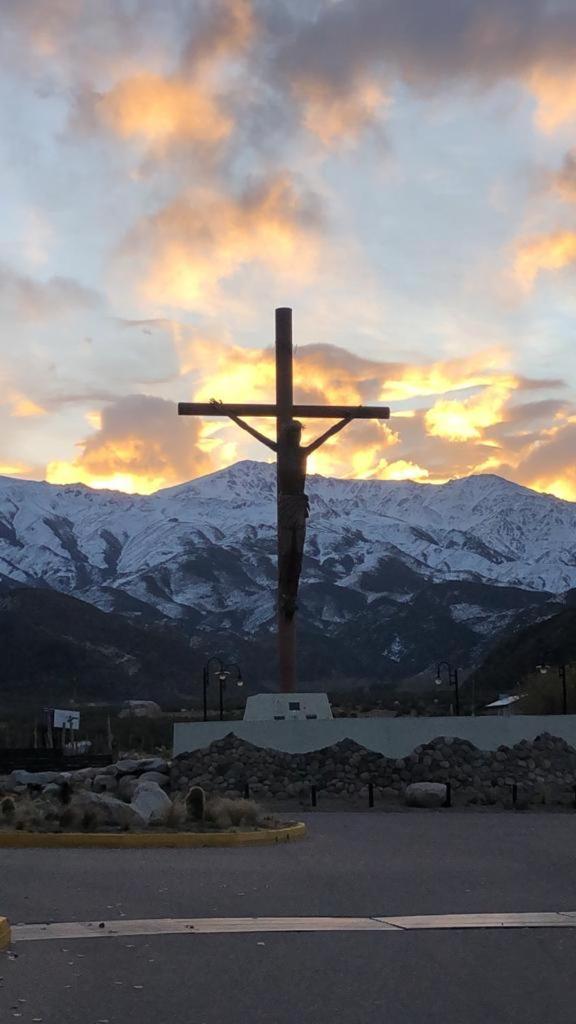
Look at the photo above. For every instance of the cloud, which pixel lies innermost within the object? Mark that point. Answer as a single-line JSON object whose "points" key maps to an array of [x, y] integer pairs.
{"points": [[432, 46], [139, 445], [550, 465], [185, 96], [333, 373], [466, 420], [22, 406], [553, 251], [56, 40], [222, 28], [185, 252], [449, 417], [338, 63], [162, 111], [26, 298], [564, 181], [334, 115], [555, 92]]}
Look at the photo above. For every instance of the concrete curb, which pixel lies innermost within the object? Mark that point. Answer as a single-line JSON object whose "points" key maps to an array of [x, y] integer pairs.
{"points": [[5, 935], [144, 840]]}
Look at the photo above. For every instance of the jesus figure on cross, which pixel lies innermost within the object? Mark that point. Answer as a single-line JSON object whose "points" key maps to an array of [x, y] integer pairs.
{"points": [[293, 502], [292, 455]]}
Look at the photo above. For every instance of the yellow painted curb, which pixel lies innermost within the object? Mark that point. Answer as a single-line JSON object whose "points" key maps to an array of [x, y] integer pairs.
{"points": [[4, 933], [143, 840]]}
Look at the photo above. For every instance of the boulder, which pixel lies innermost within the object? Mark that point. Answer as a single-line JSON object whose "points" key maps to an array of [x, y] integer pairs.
{"points": [[52, 790], [20, 777], [153, 764], [108, 809], [159, 777], [104, 784], [82, 774], [425, 794], [128, 766], [127, 786], [151, 802]]}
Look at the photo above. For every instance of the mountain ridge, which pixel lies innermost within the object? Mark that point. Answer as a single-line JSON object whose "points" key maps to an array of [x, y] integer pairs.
{"points": [[389, 564]]}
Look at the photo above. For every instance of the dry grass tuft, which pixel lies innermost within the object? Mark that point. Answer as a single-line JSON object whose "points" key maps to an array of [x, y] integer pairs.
{"points": [[42, 813], [178, 814], [223, 812], [38, 814]]}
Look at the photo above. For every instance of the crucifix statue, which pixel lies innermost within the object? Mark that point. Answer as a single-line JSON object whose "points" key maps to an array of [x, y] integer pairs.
{"points": [[291, 458]]}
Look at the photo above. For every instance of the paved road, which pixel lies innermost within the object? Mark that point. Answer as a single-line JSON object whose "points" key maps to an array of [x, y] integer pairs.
{"points": [[358, 864]]}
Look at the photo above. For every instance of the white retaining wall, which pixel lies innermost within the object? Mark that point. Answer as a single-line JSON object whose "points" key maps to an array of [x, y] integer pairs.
{"points": [[394, 737]]}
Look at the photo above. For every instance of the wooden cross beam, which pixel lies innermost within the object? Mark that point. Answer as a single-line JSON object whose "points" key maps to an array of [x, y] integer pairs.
{"points": [[316, 412], [292, 456]]}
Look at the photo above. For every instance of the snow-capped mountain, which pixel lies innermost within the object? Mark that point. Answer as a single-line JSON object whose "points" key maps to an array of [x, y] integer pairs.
{"points": [[383, 558]]}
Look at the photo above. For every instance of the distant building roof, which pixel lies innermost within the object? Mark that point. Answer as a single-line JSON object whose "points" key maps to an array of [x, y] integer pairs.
{"points": [[502, 702]]}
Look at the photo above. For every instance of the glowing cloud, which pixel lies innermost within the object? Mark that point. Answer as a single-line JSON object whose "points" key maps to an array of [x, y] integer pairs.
{"points": [[14, 469], [163, 110], [466, 420], [199, 241], [549, 463], [555, 92], [548, 252], [423, 437], [402, 470], [23, 406], [137, 448]]}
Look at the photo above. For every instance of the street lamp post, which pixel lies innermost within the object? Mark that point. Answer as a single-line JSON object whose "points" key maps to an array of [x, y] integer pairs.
{"points": [[206, 681], [223, 671], [222, 677], [452, 680], [562, 669], [562, 675]]}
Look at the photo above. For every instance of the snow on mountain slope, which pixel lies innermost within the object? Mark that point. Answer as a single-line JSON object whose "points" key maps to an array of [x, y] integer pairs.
{"points": [[204, 551]]}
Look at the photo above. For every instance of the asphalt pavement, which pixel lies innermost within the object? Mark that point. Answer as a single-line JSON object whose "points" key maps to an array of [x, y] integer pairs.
{"points": [[352, 864]]}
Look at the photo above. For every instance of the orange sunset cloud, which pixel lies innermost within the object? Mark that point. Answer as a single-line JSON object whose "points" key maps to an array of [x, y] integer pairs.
{"points": [[160, 110], [184, 252]]}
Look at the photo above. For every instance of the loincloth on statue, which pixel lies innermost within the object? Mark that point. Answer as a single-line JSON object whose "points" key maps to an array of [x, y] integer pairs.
{"points": [[293, 511]]}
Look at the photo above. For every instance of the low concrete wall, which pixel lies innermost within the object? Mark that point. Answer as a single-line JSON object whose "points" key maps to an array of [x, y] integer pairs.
{"points": [[394, 737]]}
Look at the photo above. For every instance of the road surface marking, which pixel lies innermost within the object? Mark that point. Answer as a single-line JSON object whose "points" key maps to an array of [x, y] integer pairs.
{"points": [[556, 919], [238, 925], [195, 926]]}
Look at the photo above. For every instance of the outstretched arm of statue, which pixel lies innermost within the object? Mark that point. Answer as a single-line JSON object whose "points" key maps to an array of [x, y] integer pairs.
{"points": [[246, 426], [334, 429], [255, 433]]}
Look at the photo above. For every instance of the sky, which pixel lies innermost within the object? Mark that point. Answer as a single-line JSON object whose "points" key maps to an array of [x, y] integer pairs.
{"points": [[402, 173]]}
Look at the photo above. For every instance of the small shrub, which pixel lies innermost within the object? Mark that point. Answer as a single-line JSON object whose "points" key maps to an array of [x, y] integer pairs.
{"points": [[8, 809], [67, 818], [65, 794], [88, 821]]}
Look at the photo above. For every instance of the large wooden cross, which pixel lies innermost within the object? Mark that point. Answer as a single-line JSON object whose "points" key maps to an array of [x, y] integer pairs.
{"points": [[291, 455]]}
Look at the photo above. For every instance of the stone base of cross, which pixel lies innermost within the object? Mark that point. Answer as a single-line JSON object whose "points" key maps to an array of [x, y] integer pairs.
{"points": [[292, 501]]}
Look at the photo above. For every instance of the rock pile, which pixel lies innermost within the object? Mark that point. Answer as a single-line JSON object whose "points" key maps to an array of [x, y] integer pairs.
{"points": [[128, 794], [542, 770]]}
